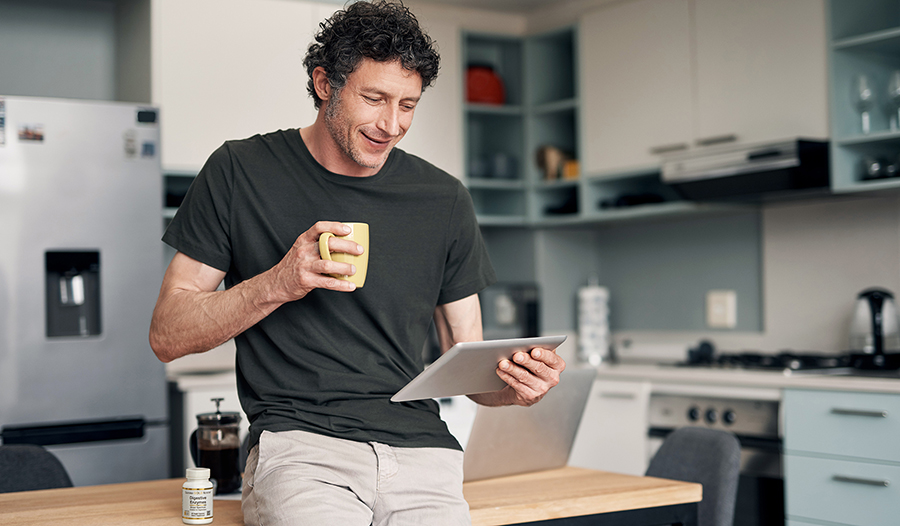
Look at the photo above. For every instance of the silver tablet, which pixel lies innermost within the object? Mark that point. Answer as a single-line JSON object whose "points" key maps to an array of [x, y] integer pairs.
{"points": [[470, 368]]}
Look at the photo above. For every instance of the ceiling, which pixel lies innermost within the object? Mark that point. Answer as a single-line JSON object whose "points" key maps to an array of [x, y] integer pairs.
{"points": [[510, 6], [507, 6]]}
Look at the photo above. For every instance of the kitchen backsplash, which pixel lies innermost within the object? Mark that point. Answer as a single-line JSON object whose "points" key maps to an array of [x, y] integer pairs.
{"points": [[815, 256]]}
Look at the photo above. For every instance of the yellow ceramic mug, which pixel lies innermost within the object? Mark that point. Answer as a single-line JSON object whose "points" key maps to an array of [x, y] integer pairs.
{"points": [[359, 232]]}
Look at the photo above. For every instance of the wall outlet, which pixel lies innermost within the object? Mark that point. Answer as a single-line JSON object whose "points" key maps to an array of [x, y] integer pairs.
{"points": [[721, 309]]}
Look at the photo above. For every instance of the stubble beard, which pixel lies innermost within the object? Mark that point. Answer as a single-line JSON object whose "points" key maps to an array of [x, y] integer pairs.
{"points": [[339, 129]]}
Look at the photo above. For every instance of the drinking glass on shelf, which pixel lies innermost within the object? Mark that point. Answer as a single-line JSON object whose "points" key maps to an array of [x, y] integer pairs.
{"points": [[864, 100], [870, 168], [894, 97]]}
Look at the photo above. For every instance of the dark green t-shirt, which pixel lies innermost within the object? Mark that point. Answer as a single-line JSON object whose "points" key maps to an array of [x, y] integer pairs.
{"points": [[329, 363]]}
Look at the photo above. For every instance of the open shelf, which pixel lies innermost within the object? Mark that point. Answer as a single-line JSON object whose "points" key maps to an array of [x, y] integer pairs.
{"points": [[885, 41], [546, 114], [502, 140], [852, 19], [865, 41], [499, 184], [892, 136], [556, 106], [493, 109]]}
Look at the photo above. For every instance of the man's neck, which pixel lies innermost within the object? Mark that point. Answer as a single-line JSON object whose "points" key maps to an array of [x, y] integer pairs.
{"points": [[326, 152]]}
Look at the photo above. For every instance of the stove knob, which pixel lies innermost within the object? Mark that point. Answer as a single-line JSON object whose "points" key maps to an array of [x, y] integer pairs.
{"points": [[729, 417], [711, 416], [693, 414]]}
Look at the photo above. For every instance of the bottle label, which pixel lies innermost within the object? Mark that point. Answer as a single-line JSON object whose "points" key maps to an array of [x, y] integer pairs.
{"points": [[197, 503]]}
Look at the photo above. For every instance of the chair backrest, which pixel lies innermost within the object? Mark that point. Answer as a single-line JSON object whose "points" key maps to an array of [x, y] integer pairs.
{"points": [[25, 467], [706, 456]]}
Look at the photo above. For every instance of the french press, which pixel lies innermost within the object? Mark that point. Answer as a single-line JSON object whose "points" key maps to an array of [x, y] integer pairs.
{"points": [[216, 445]]}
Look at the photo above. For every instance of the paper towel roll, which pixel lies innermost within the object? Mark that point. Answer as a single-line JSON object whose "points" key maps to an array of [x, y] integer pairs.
{"points": [[593, 323]]}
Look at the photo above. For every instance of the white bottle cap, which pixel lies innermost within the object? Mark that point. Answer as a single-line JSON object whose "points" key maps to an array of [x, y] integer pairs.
{"points": [[197, 473]]}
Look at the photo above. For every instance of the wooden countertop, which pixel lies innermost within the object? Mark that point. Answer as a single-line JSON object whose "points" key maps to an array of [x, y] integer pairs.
{"points": [[544, 495], [756, 379], [569, 492]]}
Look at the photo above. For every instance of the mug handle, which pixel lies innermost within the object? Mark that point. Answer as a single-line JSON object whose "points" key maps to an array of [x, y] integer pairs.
{"points": [[323, 245]]}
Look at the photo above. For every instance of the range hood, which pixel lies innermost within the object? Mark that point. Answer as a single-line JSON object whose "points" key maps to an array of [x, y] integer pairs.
{"points": [[756, 172]]}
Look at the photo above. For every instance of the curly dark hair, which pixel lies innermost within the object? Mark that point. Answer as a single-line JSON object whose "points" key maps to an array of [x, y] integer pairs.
{"points": [[381, 30]]}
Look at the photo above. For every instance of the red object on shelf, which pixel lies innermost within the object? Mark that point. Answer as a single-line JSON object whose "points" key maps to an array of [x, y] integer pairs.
{"points": [[484, 85]]}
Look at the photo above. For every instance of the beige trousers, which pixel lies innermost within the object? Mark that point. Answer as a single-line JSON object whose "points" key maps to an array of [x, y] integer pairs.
{"points": [[299, 478]]}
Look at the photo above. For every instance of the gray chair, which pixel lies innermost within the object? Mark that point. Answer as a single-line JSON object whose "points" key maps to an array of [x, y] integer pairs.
{"points": [[26, 467], [709, 457]]}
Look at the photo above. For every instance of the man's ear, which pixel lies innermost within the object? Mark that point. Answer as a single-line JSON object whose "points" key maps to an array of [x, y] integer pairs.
{"points": [[321, 84]]}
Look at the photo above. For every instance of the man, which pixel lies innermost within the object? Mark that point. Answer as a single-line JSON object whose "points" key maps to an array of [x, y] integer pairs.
{"points": [[317, 361]]}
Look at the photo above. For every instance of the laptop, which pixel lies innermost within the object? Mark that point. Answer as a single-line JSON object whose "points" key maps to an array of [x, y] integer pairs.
{"points": [[510, 440]]}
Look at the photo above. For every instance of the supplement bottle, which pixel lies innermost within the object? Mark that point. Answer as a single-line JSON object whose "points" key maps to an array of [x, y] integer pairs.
{"points": [[197, 497]]}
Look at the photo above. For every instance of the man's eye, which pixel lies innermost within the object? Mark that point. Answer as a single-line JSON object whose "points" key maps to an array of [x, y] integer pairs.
{"points": [[370, 99]]}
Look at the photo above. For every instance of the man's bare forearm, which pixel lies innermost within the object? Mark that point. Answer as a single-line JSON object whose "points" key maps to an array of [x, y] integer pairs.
{"points": [[192, 321], [191, 316]]}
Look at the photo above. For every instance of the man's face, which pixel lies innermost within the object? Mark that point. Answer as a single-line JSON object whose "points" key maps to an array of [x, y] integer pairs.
{"points": [[373, 110]]}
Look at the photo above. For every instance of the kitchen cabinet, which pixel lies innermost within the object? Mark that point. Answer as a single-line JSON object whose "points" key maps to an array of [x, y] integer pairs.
{"points": [[662, 76], [635, 74], [612, 435], [864, 42], [841, 457], [543, 108], [761, 70], [228, 69]]}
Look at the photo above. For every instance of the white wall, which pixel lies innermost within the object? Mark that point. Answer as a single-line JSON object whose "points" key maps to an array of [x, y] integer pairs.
{"points": [[58, 49], [816, 257]]}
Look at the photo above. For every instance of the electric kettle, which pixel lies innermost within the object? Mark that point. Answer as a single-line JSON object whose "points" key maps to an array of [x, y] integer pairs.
{"points": [[875, 331]]}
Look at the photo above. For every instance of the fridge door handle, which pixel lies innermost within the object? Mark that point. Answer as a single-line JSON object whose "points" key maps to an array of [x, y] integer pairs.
{"points": [[74, 432]]}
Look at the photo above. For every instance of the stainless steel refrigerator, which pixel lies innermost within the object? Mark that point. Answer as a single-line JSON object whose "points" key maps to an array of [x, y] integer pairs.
{"points": [[80, 268]]}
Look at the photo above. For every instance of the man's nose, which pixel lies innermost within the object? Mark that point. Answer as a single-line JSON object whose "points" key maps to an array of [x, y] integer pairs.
{"points": [[389, 121]]}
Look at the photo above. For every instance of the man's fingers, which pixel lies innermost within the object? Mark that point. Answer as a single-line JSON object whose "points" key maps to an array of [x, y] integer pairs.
{"points": [[542, 363], [531, 374], [331, 283], [550, 358], [344, 245], [335, 227], [324, 266]]}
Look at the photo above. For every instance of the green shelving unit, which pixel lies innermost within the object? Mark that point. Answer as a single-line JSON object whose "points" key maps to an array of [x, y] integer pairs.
{"points": [[541, 108], [864, 39]]}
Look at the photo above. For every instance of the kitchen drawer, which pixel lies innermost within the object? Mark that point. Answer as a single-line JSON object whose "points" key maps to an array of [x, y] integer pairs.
{"points": [[863, 425], [813, 491]]}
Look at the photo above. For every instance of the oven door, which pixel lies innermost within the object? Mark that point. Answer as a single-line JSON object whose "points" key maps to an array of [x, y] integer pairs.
{"points": [[760, 495]]}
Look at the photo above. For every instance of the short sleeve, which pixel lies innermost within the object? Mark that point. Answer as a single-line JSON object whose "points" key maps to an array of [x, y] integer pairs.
{"points": [[468, 268], [201, 227]]}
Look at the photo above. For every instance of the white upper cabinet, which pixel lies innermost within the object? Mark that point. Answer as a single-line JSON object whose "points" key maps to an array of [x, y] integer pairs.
{"points": [[635, 75], [228, 69], [667, 75], [761, 69]]}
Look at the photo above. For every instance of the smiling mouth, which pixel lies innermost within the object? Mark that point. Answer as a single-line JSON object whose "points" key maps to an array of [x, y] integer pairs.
{"points": [[381, 142]]}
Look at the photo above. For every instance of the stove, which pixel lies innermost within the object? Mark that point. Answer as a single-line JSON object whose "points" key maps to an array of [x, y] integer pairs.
{"points": [[784, 360], [753, 418], [788, 362], [756, 425]]}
